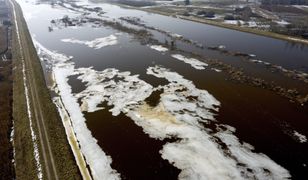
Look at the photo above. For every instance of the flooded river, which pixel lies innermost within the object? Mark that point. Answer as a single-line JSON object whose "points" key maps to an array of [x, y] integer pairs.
{"points": [[156, 97]]}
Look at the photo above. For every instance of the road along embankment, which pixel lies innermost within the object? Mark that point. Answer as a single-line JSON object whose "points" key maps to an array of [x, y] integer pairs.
{"points": [[40, 142]]}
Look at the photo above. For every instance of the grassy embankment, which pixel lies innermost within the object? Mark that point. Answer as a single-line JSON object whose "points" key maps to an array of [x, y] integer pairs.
{"points": [[6, 166], [25, 162]]}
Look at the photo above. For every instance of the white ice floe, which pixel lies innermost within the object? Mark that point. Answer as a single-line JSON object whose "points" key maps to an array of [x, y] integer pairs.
{"points": [[299, 137], [282, 22], [159, 48], [221, 47], [253, 165], [195, 63], [120, 89], [97, 160], [36, 153], [215, 69], [96, 43], [174, 35], [262, 62], [183, 113], [256, 61], [303, 7]]}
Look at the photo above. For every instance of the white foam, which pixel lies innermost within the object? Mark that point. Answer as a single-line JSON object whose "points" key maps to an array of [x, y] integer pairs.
{"points": [[159, 48], [299, 137], [96, 43], [195, 63], [97, 160]]}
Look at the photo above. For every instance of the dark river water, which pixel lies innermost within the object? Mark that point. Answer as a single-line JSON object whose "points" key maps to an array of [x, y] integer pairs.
{"points": [[189, 138]]}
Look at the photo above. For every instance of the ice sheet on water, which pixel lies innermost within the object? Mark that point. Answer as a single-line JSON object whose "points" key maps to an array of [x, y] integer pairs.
{"points": [[299, 137], [182, 113], [159, 48], [98, 161], [120, 89], [96, 43], [195, 63]]}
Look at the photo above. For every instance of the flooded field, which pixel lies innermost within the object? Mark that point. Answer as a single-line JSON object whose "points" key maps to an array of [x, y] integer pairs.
{"points": [[155, 97]]}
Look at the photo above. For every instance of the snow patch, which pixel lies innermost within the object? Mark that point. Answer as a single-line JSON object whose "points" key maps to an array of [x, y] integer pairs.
{"points": [[252, 24], [234, 22]]}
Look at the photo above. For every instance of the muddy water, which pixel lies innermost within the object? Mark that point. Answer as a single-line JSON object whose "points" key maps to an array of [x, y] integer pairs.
{"points": [[261, 118]]}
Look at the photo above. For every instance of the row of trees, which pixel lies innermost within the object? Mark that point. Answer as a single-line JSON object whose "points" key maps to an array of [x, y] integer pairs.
{"points": [[285, 2]]}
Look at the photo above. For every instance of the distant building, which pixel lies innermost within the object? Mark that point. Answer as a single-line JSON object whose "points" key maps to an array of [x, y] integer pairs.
{"points": [[187, 2]]}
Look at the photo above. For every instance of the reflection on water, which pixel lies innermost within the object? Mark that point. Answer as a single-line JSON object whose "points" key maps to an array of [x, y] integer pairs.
{"points": [[157, 113]]}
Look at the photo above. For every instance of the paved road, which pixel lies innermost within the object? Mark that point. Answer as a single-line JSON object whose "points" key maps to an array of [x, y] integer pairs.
{"points": [[47, 159]]}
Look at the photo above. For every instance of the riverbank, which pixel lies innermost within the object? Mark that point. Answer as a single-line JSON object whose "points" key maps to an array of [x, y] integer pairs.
{"points": [[218, 24]]}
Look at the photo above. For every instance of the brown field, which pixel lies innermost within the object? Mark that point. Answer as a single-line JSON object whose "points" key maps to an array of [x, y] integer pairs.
{"points": [[3, 37], [6, 167]]}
